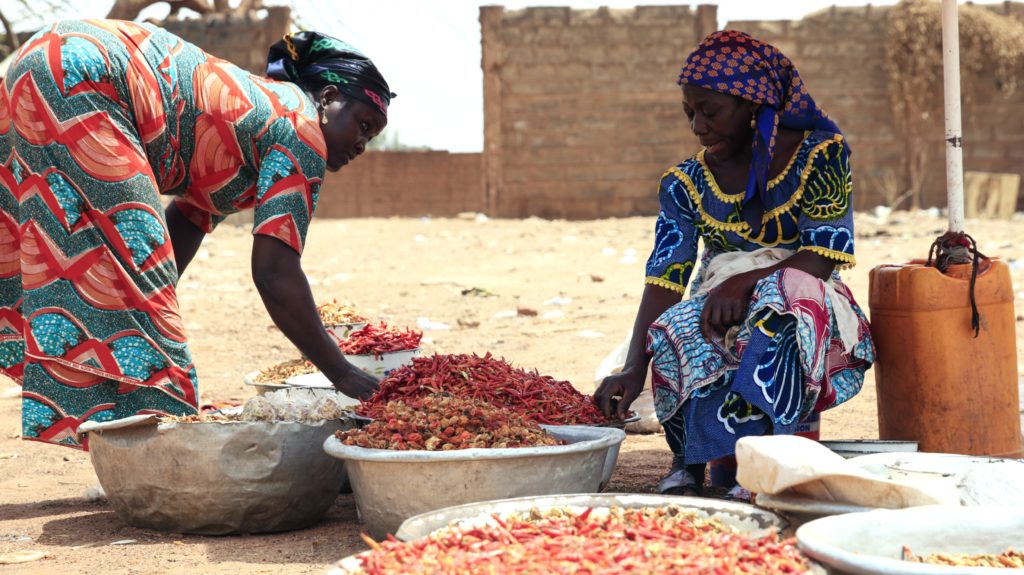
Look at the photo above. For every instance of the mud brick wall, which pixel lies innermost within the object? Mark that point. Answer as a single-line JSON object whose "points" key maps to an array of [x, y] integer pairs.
{"points": [[581, 111], [382, 184], [582, 114]]}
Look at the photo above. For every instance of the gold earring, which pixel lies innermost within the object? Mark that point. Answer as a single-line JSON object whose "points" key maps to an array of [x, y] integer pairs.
{"points": [[753, 122], [323, 113]]}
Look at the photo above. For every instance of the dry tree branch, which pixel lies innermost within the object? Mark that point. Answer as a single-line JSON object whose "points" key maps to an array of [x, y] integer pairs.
{"points": [[10, 37]]}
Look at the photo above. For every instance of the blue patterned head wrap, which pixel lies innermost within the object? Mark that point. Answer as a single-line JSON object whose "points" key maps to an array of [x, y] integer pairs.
{"points": [[734, 63], [313, 60]]}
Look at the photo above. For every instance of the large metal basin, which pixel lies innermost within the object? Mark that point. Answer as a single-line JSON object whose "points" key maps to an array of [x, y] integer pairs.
{"points": [[391, 486], [746, 518], [871, 543], [216, 478]]}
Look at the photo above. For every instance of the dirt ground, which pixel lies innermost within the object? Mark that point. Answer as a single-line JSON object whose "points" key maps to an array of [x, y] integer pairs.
{"points": [[401, 270]]}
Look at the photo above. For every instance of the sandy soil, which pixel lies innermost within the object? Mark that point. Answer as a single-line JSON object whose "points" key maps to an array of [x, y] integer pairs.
{"points": [[400, 270]]}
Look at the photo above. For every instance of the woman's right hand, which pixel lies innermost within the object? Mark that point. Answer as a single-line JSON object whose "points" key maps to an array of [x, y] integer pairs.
{"points": [[617, 392], [356, 383]]}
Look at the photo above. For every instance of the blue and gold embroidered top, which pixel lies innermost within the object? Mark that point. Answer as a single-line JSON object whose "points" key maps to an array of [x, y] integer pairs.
{"points": [[808, 208]]}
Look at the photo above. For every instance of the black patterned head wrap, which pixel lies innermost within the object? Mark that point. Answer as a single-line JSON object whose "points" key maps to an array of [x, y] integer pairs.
{"points": [[313, 60]]}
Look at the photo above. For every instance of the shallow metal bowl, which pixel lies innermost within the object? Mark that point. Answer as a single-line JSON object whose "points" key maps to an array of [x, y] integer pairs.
{"points": [[871, 543], [391, 486], [746, 518], [216, 478]]}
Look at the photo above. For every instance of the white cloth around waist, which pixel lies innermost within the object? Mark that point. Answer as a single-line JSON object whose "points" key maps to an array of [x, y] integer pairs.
{"points": [[727, 265]]}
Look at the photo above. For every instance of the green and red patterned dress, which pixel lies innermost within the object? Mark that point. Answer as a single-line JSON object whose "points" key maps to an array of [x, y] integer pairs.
{"points": [[98, 119]]}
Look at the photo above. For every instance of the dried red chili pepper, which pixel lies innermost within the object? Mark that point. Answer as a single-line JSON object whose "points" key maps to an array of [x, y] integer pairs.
{"points": [[651, 540], [444, 423], [378, 339], [540, 398]]}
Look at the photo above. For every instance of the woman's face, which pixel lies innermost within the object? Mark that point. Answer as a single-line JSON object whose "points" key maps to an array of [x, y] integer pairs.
{"points": [[351, 124], [720, 121]]}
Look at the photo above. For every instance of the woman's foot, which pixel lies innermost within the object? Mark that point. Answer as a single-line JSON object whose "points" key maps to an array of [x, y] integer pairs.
{"points": [[680, 481], [740, 494]]}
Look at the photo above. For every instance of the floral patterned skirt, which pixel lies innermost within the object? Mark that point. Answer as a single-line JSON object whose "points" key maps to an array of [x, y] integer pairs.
{"points": [[787, 361]]}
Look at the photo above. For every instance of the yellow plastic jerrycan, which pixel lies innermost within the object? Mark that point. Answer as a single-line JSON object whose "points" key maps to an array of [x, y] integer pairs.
{"points": [[936, 382]]}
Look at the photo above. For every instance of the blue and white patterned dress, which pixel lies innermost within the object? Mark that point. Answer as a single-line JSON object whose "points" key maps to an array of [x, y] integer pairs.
{"points": [[788, 360]]}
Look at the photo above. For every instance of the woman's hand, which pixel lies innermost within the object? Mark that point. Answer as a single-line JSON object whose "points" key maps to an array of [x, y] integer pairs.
{"points": [[726, 305], [282, 285], [356, 383], [617, 392]]}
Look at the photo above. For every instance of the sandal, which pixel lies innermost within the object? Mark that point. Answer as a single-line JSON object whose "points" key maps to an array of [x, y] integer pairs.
{"points": [[739, 494], [679, 481]]}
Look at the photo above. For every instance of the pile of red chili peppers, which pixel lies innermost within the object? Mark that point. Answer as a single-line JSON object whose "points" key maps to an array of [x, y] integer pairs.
{"points": [[379, 339], [540, 398], [443, 423], [650, 540]]}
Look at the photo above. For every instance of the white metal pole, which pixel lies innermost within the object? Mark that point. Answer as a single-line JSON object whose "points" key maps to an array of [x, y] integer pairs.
{"points": [[954, 133]]}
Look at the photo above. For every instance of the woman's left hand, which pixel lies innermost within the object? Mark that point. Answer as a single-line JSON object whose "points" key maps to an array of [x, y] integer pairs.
{"points": [[726, 305]]}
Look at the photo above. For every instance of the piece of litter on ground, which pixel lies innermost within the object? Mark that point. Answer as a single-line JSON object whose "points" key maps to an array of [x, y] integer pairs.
{"points": [[428, 325], [558, 300], [596, 278], [506, 314], [125, 542], [14, 538], [481, 218], [22, 557], [526, 311], [609, 252], [553, 314], [85, 546], [8, 455], [94, 493], [419, 238], [477, 292], [627, 260], [203, 254], [589, 334]]}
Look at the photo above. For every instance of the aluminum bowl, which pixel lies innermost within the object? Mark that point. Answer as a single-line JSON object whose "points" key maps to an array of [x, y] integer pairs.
{"points": [[216, 478], [391, 486], [380, 367], [871, 543], [746, 518]]}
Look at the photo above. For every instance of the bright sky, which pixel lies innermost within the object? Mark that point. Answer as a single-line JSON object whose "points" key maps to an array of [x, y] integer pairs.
{"points": [[429, 50]]}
